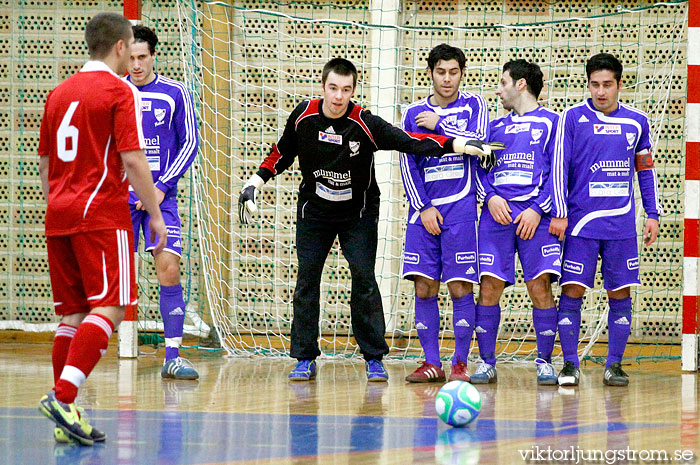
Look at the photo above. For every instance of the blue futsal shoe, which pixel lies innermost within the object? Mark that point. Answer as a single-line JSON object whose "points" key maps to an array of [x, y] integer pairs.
{"points": [[305, 370], [376, 371], [178, 368], [484, 374], [545, 373]]}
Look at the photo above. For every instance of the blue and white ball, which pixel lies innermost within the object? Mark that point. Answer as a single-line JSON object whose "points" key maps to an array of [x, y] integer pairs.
{"points": [[458, 403]]}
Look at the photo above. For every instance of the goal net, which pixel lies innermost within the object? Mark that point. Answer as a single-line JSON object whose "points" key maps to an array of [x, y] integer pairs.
{"points": [[250, 62]]}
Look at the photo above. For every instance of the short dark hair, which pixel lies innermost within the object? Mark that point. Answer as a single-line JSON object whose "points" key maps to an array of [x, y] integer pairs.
{"points": [[603, 61], [341, 67], [446, 52], [146, 34], [531, 72], [103, 31]]}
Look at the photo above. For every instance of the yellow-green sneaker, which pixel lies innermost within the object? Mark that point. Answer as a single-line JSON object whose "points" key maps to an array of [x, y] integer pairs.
{"points": [[66, 417], [61, 436]]}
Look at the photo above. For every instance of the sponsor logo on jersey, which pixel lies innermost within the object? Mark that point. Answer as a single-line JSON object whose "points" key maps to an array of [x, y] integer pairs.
{"points": [[354, 148], [607, 129], [608, 189], [552, 249], [173, 230], [611, 165], [145, 105], [573, 267], [633, 263], [486, 259], [333, 195], [583, 119], [631, 137], [443, 172], [330, 138], [153, 162], [512, 177], [411, 258], [330, 130], [159, 113], [465, 257], [517, 128]]}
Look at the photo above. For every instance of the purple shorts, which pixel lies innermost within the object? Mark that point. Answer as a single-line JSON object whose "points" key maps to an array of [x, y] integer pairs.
{"points": [[620, 259], [140, 220], [498, 244], [450, 256]]}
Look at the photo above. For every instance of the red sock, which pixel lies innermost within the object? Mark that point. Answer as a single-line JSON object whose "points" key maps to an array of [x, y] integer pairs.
{"points": [[61, 344], [88, 345]]}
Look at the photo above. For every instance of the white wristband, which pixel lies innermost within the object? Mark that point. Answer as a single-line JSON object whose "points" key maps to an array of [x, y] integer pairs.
{"points": [[256, 181], [459, 144]]}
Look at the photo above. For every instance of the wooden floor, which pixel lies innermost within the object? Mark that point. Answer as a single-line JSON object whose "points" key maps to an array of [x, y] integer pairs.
{"points": [[243, 410]]}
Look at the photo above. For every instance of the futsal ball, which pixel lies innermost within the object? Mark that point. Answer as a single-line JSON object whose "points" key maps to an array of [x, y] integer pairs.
{"points": [[458, 403]]}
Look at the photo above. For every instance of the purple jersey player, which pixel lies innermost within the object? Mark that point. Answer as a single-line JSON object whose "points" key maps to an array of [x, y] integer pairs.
{"points": [[441, 236], [600, 144], [170, 131], [517, 218]]}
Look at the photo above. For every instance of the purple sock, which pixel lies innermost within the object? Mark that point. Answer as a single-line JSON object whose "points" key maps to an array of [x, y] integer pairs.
{"points": [[463, 317], [545, 321], [428, 328], [487, 320], [172, 310], [619, 322], [569, 325]]}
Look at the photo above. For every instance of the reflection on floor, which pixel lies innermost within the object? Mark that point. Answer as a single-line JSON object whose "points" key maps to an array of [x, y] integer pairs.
{"points": [[243, 410]]}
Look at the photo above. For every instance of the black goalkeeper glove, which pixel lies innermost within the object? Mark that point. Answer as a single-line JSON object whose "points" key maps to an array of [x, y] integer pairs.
{"points": [[484, 150], [246, 201]]}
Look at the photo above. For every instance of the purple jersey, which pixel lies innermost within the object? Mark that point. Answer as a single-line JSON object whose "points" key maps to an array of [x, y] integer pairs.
{"points": [[170, 129], [521, 173], [449, 182], [593, 171]]}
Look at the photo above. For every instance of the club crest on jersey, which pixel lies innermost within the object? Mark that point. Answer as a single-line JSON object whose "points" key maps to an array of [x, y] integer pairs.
{"points": [[145, 105], [462, 124], [411, 258], [607, 129], [536, 134], [354, 147], [633, 263], [485, 259], [552, 249], [330, 138], [631, 137], [573, 267], [159, 113], [517, 128], [465, 257]]}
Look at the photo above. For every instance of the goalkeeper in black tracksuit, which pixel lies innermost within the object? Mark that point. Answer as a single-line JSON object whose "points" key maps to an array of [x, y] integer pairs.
{"points": [[335, 141]]}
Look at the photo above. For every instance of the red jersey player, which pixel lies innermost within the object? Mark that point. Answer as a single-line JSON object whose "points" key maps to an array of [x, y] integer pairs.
{"points": [[91, 141]]}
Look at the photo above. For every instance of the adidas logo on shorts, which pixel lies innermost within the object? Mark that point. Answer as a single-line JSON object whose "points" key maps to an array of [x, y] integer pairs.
{"points": [[557, 262], [565, 322], [176, 311], [421, 326], [622, 321], [463, 323], [470, 270]]}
